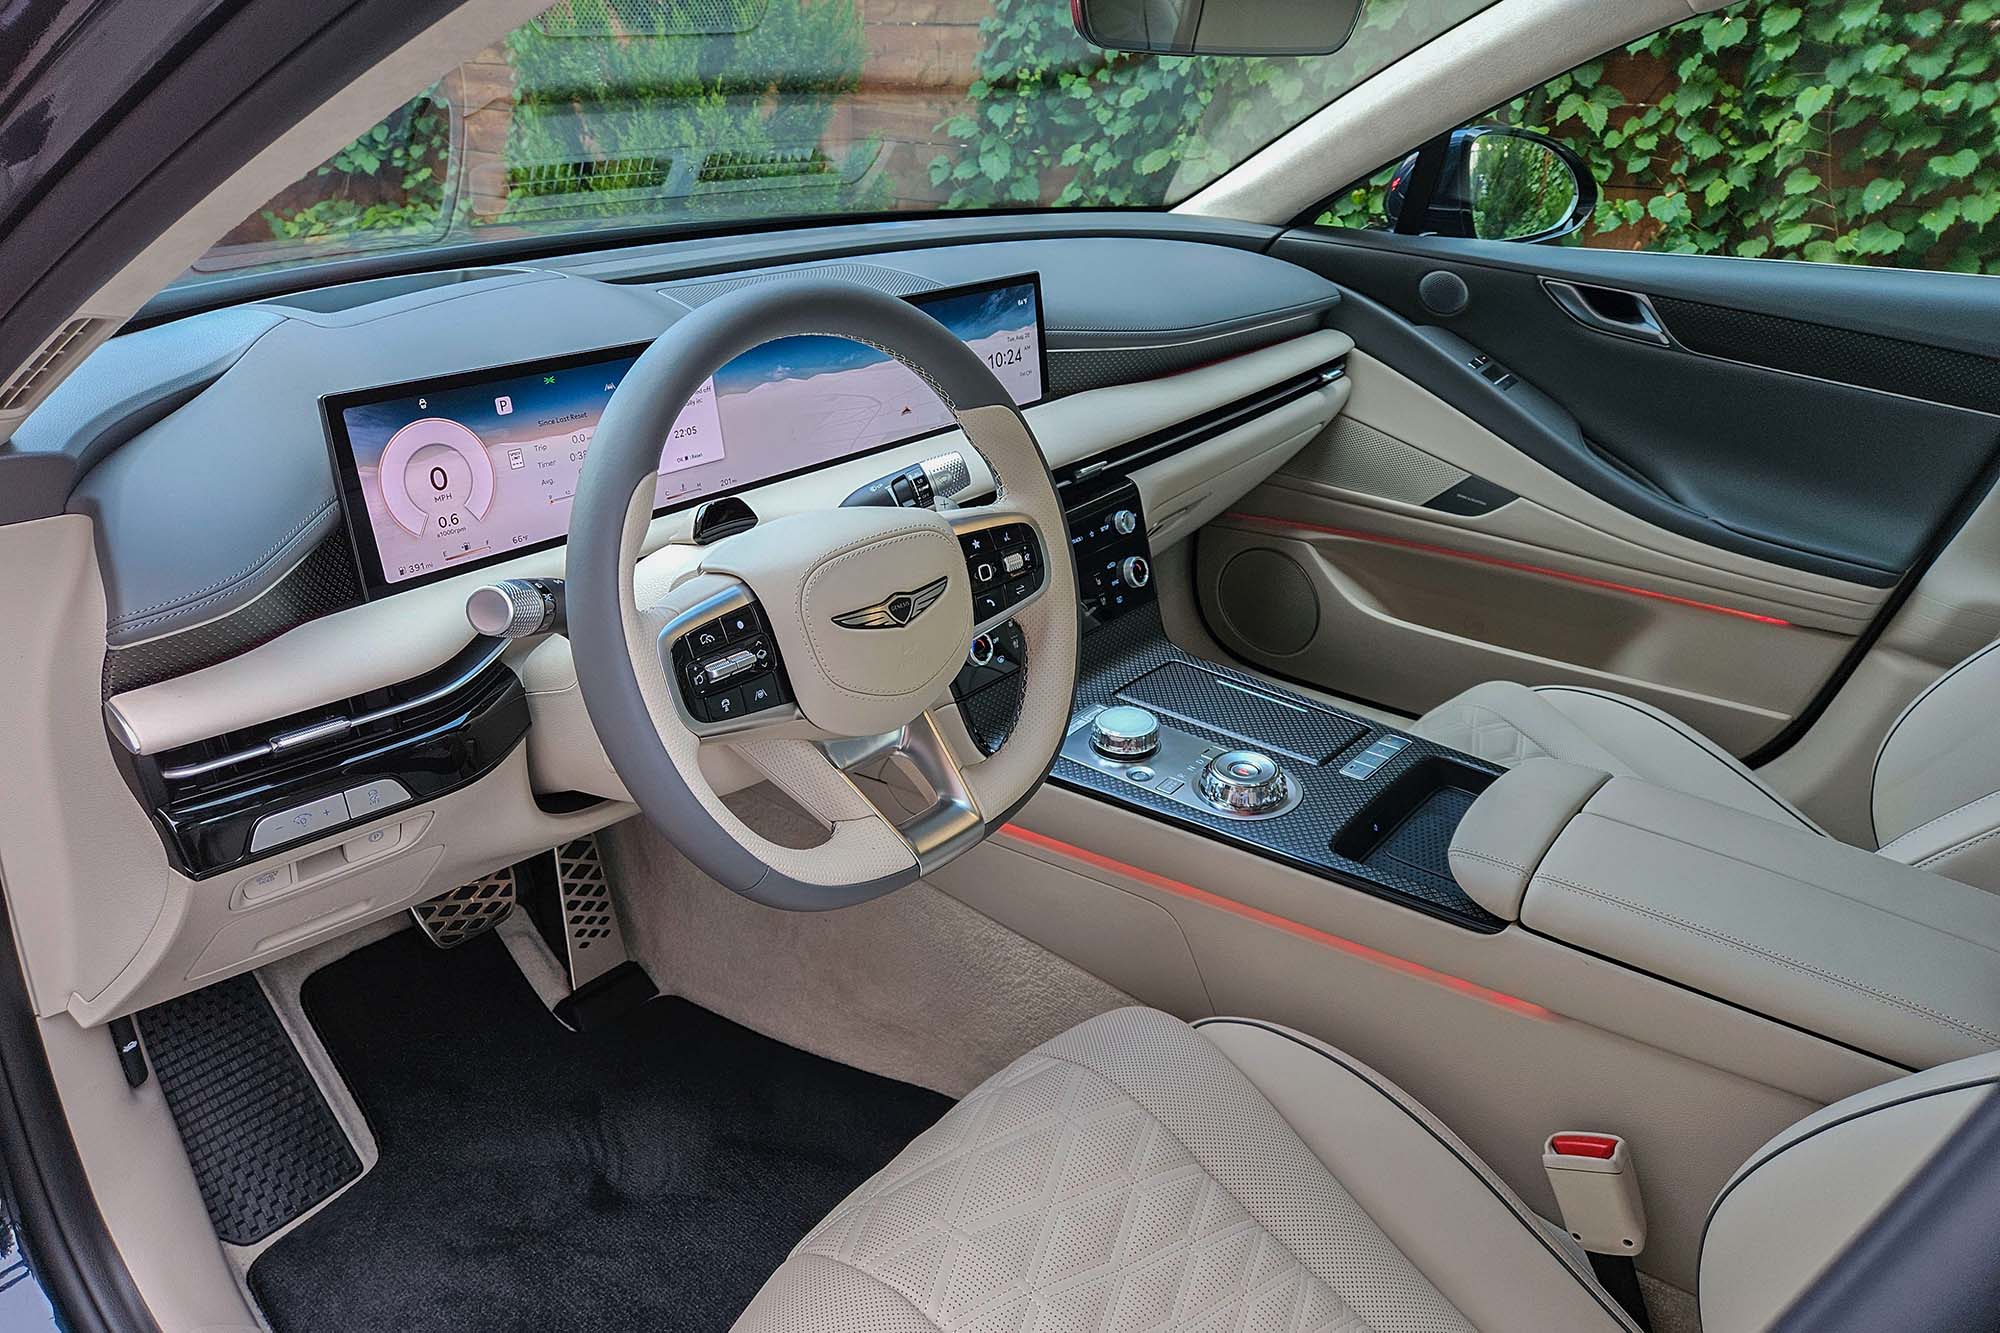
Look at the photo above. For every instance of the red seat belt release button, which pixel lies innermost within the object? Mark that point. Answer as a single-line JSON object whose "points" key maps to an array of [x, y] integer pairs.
{"points": [[1584, 1145], [1597, 1189]]}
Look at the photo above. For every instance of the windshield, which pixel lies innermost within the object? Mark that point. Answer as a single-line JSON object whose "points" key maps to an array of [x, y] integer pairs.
{"points": [[667, 114]]}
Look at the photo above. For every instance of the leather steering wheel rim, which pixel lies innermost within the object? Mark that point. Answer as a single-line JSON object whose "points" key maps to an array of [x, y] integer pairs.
{"points": [[629, 693]]}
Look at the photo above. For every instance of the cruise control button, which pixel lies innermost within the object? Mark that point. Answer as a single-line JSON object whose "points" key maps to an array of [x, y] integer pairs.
{"points": [[705, 638], [761, 692]]}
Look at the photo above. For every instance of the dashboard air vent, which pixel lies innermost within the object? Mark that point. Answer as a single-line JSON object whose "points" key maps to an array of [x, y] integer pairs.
{"points": [[57, 357]]}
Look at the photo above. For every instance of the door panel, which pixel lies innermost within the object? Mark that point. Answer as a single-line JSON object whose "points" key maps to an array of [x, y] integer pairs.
{"points": [[1713, 536]]}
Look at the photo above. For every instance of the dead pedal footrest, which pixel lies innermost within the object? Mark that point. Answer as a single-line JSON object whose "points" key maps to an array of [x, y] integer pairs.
{"points": [[452, 918]]}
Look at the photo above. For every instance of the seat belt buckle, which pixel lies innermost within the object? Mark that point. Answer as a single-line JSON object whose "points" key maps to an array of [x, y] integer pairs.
{"points": [[1597, 1191]]}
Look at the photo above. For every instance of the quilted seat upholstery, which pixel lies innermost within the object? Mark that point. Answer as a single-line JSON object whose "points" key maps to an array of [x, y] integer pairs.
{"points": [[1129, 1175]]}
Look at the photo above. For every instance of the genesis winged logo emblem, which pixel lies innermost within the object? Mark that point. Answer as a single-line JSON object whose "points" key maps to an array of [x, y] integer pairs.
{"points": [[894, 611]]}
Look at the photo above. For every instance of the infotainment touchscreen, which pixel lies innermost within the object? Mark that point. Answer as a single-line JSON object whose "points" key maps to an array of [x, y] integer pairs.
{"points": [[444, 475]]}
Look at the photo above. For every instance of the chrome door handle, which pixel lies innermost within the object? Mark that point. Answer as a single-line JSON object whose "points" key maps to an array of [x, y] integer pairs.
{"points": [[1643, 324]]}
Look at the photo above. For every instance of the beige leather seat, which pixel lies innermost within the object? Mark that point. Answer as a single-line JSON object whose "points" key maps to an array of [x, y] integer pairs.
{"points": [[1137, 1173], [1935, 793]]}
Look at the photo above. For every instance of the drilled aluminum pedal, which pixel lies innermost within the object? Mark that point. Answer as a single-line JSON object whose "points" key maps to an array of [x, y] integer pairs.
{"points": [[591, 935], [450, 919]]}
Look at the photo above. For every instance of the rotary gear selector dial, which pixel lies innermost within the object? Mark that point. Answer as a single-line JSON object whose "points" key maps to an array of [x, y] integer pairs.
{"points": [[1244, 782]]}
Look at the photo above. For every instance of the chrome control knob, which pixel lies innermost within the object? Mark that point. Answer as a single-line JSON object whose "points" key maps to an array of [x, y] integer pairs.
{"points": [[1125, 732], [1243, 782], [981, 652], [1125, 522], [517, 608], [1135, 571]]}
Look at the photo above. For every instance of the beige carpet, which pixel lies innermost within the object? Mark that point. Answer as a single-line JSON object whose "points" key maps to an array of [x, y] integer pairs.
{"points": [[915, 985]]}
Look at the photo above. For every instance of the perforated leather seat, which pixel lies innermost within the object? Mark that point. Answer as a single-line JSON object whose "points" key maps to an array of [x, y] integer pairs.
{"points": [[1935, 794], [1137, 1173]]}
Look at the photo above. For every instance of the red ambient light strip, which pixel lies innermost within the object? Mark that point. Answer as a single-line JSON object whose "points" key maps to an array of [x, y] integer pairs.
{"points": [[1291, 525], [1070, 851]]}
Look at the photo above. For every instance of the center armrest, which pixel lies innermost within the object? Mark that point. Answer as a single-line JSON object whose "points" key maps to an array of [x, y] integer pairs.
{"points": [[1809, 931]]}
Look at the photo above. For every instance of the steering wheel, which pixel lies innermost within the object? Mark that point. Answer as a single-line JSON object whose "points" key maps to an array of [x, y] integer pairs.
{"points": [[844, 623]]}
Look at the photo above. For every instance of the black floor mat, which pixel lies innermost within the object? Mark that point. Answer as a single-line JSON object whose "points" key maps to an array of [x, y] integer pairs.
{"points": [[646, 1175]]}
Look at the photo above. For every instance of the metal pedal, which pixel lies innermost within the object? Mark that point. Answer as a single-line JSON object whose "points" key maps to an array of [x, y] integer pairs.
{"points": [[592, 938], [452, 918]]}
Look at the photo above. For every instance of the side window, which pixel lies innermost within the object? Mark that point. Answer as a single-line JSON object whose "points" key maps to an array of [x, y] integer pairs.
{"points": [[1835, 131]]}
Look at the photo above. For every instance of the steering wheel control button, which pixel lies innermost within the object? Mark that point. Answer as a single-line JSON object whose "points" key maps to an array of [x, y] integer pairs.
{"points": [[300, 821], [1125, 732], [728, 668], [1004, 565], [1244, 782], [761, 692]]}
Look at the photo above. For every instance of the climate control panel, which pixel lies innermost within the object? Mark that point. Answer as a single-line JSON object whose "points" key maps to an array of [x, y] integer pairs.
{"points": [[1114, 564]]}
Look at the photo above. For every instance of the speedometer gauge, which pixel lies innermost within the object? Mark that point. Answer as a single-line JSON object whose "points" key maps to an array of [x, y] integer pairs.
{"points": [[436, 477]]}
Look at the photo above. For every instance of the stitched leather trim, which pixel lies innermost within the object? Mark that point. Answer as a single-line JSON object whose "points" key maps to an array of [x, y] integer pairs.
{"points": [[1875, 771], [1700, 742], [1817, 973], [1977, 800], [1479, 1171], [1757, 1163]]}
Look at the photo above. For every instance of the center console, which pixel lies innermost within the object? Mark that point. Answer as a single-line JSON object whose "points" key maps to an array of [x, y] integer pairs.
{"points": [[1204, 746]]}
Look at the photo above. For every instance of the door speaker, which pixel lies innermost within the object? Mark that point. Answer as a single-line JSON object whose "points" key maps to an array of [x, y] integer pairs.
{"points": [[1268, 601], [1444, 293]]}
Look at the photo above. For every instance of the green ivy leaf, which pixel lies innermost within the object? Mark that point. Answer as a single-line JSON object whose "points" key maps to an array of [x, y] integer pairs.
{"points": [[1754, 248], [1802, 180], [1813, 100], [1878, 238], [1955, 166], [1879, 193]]}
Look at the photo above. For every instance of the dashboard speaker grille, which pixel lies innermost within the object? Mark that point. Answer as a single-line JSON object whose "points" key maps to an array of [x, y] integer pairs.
{"points": [[650, 18], [893, 281]]}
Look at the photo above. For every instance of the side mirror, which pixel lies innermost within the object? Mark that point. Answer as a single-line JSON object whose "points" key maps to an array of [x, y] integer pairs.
{"points": [[1498, 183], [1218, 27]]}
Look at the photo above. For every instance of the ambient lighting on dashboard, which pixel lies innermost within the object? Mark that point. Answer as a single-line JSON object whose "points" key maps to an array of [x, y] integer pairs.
{"points": [[1485, 994], [1292, 525]]}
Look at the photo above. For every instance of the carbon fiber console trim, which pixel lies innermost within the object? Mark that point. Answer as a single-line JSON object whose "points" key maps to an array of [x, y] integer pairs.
{"points": [[262, 1141], [1117, 654]]}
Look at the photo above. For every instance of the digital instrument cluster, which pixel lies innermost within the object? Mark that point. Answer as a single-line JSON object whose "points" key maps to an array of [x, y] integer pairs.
{"points": [[442, 476]]}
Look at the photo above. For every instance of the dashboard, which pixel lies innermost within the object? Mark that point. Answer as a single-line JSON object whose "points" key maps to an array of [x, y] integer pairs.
{"points": [[315, 741], [444, 475]]}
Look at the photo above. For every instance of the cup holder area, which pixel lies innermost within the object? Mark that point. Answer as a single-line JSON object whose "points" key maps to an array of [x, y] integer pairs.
{"points": [[1408, 827]]}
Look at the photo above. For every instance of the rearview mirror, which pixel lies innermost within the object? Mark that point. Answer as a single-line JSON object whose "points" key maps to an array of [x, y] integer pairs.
{"points": [[1498, 183], [1218, 27]]}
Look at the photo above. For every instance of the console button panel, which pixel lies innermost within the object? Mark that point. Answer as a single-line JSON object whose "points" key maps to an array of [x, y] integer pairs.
{"points": [[1107, 538], [728, 667]]}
